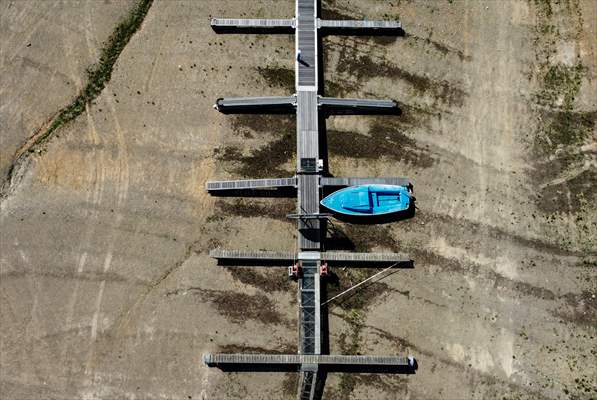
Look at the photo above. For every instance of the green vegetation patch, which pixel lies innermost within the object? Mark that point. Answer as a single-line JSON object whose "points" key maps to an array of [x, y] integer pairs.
{"points": [[561, 83], [564, 128], [99, 74]]}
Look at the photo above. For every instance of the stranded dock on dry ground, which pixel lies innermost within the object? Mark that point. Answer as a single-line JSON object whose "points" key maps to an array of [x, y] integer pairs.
{"points": [[312, 260]]}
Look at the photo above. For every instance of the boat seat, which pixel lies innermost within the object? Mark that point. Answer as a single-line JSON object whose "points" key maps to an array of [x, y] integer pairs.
{"points": [[359, 201]]}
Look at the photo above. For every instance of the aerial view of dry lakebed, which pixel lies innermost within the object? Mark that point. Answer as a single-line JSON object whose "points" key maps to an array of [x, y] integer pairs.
{"points": [[298, 199]]}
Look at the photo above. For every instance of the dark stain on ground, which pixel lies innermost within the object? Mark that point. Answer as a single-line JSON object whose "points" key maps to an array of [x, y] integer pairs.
{"points": [[557, 151], [400, 344], [357, 61], [340, 87], [278, 76], [265, 160], [267, 208], [565, 128], [262, 162], [561, 127], [384, 138], [441, 48], [414, 115], [359, 238], [423, 353], [363, 297], [274, 125], [363, 238], [579, 308], [472, 230], [394, 384], [582, 190], [425, 257], [269, 281], [290, 383], [238, 307], [328, 12], [366, 238], [287, 348]]}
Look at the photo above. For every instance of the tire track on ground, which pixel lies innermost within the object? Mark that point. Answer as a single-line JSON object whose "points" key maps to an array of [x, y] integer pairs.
{"points": [[98, 77]]}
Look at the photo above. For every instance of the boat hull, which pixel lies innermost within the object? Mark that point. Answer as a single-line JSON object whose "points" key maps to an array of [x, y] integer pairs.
{"points": [[369, 200]]}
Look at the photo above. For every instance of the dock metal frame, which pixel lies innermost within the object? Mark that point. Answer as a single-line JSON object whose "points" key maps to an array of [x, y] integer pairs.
{"points": [[307, 185]]}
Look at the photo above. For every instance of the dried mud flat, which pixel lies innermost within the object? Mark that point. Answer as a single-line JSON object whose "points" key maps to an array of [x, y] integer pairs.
{"points": [[107, 288]]}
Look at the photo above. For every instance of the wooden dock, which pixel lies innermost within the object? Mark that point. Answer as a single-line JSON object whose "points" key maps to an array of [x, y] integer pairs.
{"points": [[251, 184], [362, 24], [354, 181], [333, 258], [220, 359], [309, 182], [259, 25]]}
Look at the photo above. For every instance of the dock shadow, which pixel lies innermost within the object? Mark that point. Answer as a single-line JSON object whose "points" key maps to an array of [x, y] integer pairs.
{"points": [[373, 32], [377, 220], [253, 30], [330, 111], [276, 193]]}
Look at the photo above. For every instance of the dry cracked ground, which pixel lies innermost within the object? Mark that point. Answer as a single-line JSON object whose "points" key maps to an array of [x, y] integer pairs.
{"points": [[108, 137]]}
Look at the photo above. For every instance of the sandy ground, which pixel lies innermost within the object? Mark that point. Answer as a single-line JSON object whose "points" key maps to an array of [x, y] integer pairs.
{"points": [[107, 288], [45, 51]]}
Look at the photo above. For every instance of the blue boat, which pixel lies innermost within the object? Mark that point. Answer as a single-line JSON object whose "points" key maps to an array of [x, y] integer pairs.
{"points": [[369, 200]]}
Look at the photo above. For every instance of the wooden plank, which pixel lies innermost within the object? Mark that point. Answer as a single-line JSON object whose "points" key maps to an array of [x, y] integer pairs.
{"points": [[365, 258], [306, 33], [331, 257], [223, 254], [215, 359], [244, 184], [252, 23], [355, 181], [359, 24]]}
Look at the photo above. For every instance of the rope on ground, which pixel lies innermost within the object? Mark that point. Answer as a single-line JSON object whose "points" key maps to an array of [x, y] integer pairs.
{"points": [[358, 284]]}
